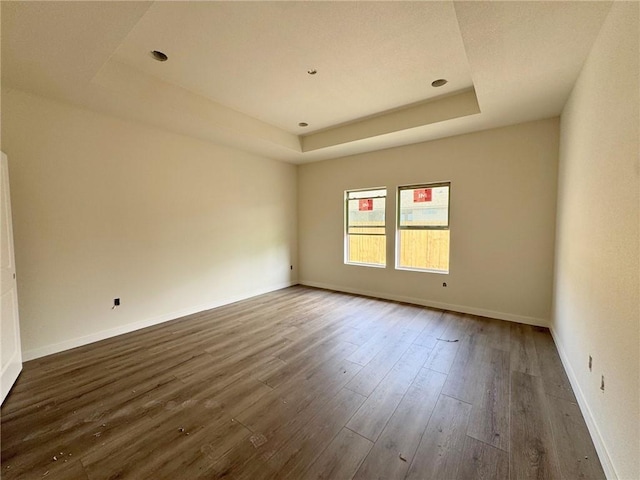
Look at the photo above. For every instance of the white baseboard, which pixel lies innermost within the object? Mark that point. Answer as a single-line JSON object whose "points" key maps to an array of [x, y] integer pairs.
{"points": [[9, 375], [538, 322], [594, 431], [131, 327]]}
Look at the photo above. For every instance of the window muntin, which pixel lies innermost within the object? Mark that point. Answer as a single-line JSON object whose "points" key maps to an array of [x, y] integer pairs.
{"points": [[365, 242], [423, 227]]}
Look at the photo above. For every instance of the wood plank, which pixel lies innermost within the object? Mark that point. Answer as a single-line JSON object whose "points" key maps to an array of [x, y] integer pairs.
{"points": [[214, 442], [69, 425], [309, 359], [371, 418], [483, 462], [459, 326], [266, 367], [394, 450], [78, 394], [279, 430], [497, 333], [341, 459], [555, 380], [297, 446], [442, 356], [377, 341], [489, 420], [372, 322], [370, 376], [62, 468], [480, 329], [524, 357], [282, 405], [251, 461], [577, 456], [436, 323], [200, 420], [531, 450], [428, 341], [466, 375], [311, 340], [440, 452], [206, 462], [306, 444]]}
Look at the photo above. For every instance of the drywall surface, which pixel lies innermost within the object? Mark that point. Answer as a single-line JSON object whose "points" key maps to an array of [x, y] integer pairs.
{"points": [[105, 208], [596, 295], [503, 200]]}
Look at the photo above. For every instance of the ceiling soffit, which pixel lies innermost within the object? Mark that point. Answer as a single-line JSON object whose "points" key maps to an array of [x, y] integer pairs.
{"points": [[254, 57], [237, 71]]}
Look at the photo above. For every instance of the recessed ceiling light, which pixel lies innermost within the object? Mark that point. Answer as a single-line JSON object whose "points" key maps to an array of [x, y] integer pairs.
{"points": [[313, 71], [159, 56], [303, 124], [439, 83]]}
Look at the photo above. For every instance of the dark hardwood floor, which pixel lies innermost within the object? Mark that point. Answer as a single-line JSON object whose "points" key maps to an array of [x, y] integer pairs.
{"points": [[302, 383]]}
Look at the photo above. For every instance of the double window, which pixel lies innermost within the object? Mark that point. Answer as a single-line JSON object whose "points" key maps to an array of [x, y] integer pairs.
{"points": [[422, 227]]}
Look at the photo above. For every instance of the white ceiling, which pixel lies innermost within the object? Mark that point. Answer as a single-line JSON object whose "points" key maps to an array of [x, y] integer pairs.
{"points": [[254, 57], [237, 71]]}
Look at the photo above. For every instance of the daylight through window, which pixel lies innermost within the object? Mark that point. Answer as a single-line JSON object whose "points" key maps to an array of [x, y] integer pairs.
{"points": [[365, 238], [423, 228]]}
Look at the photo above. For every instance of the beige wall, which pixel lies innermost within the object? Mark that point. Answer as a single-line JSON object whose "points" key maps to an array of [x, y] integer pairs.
{"points": [[105, 208], [596, 296], [503, 200]]}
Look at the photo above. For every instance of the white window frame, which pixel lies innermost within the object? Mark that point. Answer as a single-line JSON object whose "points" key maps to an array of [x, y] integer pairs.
{"points": [[346, 225], [414, 227]]}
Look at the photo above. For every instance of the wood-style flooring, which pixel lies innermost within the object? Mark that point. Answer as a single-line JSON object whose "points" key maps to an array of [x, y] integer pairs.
{"points": [[302, 383]]}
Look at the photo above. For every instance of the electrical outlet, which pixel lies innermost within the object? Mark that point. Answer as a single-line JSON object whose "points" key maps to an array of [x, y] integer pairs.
{"points": [[590, 363], [116, 302], [291, 267], [444, 284], [602, 383]]}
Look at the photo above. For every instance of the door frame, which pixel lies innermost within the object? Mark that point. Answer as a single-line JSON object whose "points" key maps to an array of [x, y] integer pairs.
{"points": [[9, 317]]}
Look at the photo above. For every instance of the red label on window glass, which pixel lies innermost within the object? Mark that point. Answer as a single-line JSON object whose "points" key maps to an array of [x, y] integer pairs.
{"points": [[422, 195], [365, 204]]}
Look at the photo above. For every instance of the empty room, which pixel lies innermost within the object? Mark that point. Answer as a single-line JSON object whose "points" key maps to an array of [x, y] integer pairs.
{"points": [[320, 240]]}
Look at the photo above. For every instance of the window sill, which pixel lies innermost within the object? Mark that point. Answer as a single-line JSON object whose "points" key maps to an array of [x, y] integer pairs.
{"points": [[422, 270], [371, 265]]}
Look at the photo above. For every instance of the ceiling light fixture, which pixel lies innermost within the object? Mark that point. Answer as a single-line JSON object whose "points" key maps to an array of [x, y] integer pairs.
{"points": [[159, 56], [303, 124], [439, 83], [313, 71]]}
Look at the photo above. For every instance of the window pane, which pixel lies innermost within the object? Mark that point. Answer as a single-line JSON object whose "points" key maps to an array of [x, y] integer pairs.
{"points": [[371, 249], [424, 249], [366, 212], [367, 193], [366, 235], [424, 207]]}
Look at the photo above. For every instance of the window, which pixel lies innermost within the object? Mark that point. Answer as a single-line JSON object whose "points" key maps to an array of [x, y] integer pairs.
{"points": [[423, 228], [365, 238]]}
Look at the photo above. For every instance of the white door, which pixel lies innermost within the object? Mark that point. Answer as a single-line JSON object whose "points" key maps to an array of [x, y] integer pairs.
{"points": [[10, 351]]}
